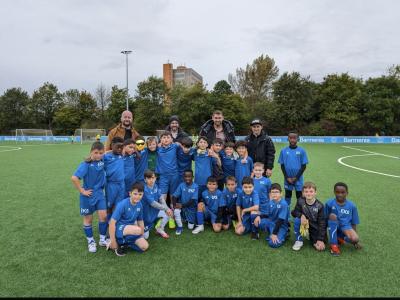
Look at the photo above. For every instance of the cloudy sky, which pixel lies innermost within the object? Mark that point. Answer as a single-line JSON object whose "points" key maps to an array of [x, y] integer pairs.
{"points": [[77, 44]]}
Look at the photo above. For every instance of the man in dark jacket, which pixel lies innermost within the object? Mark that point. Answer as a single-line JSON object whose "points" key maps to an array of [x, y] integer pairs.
{"points": [[260, 146], [217, 127], [175, 129]]}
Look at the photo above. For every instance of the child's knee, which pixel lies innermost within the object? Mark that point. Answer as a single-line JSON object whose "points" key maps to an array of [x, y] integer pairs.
{"points": [[332, 217], [200, 206]]}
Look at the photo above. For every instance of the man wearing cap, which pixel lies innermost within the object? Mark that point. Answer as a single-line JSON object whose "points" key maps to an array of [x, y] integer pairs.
{"points": [[123, 129], [217, 127], [175, 129], [260, 146]]}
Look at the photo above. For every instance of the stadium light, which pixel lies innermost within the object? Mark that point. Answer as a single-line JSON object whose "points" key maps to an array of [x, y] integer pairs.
{"points": [[127, 52]]}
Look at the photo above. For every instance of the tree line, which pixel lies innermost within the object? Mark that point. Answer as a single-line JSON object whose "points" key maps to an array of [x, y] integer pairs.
{"points": [[338, 105]]}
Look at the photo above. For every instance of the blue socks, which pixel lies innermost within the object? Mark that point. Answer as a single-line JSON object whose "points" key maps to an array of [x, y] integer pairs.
{"points": [[136, 248], [200, 218], [103, 228], [297, 224], [253, 227], [332, 231], [87, 229]]}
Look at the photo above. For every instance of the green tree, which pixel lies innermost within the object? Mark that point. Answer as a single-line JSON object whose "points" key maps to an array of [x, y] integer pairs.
{"points": [[87, 106], [45, 102], [222, 87], [118, 104], [66, 120], [13, 112]]}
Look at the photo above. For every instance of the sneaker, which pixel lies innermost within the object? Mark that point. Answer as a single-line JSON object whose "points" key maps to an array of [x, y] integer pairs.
{"points": [[190, 226], [335, 250], [255, 236], [104, 242], [297, 245], [198, 229], [120, 251], [341, 241], [92, 247], [358, 246], [162, 233], [171, 223], [179, 230]]}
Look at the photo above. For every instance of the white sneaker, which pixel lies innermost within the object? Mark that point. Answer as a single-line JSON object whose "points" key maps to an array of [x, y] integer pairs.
{"points": [[198, 229], [104, 242], [92, 247], [146, 234], [190, 226], [297, 245]]}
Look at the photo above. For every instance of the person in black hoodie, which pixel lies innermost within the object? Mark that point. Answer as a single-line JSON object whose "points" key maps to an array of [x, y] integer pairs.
{"points": [[260, 146], [174, 127], [217, 127]]}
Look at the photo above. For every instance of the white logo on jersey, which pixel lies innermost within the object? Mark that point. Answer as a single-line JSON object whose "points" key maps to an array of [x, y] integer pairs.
{"points": [[278, 206], [100, 164], [298, 152], [315, 209], [191, 190], [138, 209], [214, 197], [129, 209], [345, 211]]}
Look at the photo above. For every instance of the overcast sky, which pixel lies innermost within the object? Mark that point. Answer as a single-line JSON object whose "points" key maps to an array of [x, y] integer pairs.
{"points": [[77, 44]]}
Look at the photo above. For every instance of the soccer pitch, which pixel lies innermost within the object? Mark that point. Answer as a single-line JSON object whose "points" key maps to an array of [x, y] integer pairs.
{"points": [[44, 251]]}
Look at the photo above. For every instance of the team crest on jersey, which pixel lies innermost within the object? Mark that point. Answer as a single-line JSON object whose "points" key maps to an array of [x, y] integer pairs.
{"points": [[298, 152], [315, 209], [100, 164], [345, 211], [191, 190], [138, 209]]}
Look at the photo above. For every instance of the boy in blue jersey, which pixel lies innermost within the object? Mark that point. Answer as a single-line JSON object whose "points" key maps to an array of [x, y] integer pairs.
{"points": [[140, 159], [91, 196], [342, 217], [126, 224], [230, 194], [185, 156], [210, 207], [262, 185], [276, 223], [218, 173], [115, 177], [154, 206], [247, 206], [184, 202], [293, 160], [244, 163], [204, 159], [128, 153], [228, 159]]}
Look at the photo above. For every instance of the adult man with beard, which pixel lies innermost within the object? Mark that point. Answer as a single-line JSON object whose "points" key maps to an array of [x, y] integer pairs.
{"points": [[217, 127], [174, 127], [123, 129]]}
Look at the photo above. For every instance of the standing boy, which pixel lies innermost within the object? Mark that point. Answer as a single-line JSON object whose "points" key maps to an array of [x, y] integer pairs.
{"points": [[185, 156], [244, 163]]}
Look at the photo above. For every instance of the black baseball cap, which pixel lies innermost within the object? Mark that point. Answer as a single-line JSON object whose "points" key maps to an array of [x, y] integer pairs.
{"points": [[255, 122]]}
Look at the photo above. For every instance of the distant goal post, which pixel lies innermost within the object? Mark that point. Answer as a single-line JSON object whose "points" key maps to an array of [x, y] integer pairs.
{"points": [[85, 135], [32, 135]]}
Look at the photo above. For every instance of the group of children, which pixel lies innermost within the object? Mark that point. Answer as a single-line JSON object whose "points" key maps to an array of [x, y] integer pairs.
{"points": [[135, 188]]}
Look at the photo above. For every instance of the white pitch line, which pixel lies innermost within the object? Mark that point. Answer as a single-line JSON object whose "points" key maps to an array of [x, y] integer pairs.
{"points": [[14, 148], [340, 161]]}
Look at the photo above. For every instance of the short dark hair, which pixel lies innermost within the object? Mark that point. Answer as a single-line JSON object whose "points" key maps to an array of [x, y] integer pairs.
{"points": [[247, 180], [201, 138], [218, 141], [211, 179], [188, 171], [150, 139], [276, 186], [117, 139], [138, 186], [241, 144], [217, 112], [230, 145], [166, 132], [97, 146], [187, 142], [129, 142], [149, 173], [293, 132], [341, 184], [231, 178]]}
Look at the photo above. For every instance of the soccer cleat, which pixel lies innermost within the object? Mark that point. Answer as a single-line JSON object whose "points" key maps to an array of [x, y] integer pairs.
{"points": [[179, 230], [120, 251], [297, 245], [190, 226], [255, 236], [335, 250], [198, 229], [341, 241], [162, 233], [358, 246], [171, 223], [158, 224], [104, 242], [92, 247]]}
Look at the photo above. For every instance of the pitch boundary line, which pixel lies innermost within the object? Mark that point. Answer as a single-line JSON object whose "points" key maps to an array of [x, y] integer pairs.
{"points": [[370, 153], [14, 148]]}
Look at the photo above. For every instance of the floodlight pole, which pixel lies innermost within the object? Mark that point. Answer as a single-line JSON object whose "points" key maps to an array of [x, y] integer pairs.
{"points": [[127, 52]]}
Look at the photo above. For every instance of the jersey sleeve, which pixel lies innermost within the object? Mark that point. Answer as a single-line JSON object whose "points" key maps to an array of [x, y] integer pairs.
{"points": [[256, 198], [195, 195], [82, 170], [140, 215], [304, 158], [178, 192], [280, 159], [283, 212], [354, 217], [239, 200], [327, 210], [117, 214]]}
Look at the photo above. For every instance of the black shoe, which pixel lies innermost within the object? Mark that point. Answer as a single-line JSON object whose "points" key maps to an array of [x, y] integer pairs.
{"points": [[121, 250], [255, 236]]}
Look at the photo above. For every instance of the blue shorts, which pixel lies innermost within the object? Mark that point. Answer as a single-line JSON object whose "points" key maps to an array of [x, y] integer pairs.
{"points": [[88, 205], [343, 227], [168, 183], [268, 226], [209, 215], [298, 185], [121, 239], [115, 192], [246, 222]]}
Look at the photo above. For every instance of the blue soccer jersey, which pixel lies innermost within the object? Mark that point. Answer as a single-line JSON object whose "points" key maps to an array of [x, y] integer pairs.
{"points": [[141, 164], [129, 170], [114, 167], [150, 195], [126, 213], [92, 174], [245, 201], [228, 164], [167, 160], [230, 197], [278, 210], [243, 169], [185, 193], [347, 214], [203, 167], [184, 161], [213, 200], [292, 159], [262, 186]]}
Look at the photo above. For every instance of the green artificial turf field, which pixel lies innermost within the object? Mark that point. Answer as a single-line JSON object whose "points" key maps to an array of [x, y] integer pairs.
{"points": [[44, 251]]}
